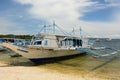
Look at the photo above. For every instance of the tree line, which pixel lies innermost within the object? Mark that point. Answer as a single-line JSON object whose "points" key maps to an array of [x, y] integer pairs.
{"points": [[16, 36]]}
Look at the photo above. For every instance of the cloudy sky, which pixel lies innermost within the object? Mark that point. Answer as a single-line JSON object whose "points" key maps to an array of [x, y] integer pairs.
{"points": [[97, 18]]}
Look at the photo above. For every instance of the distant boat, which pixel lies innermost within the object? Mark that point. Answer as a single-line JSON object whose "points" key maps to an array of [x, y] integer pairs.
{"points": [[50, 47]]}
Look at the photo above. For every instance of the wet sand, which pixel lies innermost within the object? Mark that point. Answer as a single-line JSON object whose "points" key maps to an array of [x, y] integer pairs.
{"points": [[79, 68], [36, 73]]}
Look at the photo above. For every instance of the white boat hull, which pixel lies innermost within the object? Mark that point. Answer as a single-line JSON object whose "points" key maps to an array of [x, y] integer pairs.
{"points": [[42, 54]]}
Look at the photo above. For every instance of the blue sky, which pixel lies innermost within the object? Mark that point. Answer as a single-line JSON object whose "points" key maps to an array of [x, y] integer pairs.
{"points": [[99, 18]]}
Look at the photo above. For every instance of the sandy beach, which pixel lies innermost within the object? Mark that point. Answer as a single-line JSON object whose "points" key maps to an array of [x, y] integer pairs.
{"points": [[79, 68], [35, 73]]}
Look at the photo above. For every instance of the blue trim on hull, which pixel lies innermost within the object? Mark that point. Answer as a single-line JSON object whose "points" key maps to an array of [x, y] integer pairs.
{"points": [[54, 59]]}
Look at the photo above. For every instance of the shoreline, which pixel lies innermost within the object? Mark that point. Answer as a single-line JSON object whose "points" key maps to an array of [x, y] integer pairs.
{"points": [[80, 68], [37, 73]]}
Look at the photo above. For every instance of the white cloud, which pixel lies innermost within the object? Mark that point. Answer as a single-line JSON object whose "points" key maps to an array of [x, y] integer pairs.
{"points": [[8, 26], [63, 11], [67, 13], [5, 25], [102, 29]]}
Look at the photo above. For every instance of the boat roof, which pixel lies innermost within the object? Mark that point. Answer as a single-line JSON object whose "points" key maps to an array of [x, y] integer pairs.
{"points": [[59, 35]]}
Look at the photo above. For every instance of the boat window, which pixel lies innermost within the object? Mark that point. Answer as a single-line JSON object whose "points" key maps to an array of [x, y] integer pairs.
{"points": [[46, 42], [38, 43], [77, 42], [71, 42]]}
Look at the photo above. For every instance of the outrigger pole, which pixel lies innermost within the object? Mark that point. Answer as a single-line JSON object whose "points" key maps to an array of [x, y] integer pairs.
{"points": [[95, 54]]}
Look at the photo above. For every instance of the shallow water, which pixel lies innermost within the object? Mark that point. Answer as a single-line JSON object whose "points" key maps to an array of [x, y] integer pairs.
{"points": [[84, 65]]}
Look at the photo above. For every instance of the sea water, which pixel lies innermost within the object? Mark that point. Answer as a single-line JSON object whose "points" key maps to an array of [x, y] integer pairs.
{"points": [[84, 65]]}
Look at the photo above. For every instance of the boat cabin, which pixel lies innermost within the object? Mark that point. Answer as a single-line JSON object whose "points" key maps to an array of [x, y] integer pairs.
{"points": [[56, 41]]}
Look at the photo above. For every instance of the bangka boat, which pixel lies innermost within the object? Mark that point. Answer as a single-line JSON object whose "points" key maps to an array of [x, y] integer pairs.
{"points": [[46, 47]]}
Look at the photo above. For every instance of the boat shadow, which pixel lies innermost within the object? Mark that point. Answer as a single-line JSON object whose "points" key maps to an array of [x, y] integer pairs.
{"points": [[103, 64], [17, 61]]}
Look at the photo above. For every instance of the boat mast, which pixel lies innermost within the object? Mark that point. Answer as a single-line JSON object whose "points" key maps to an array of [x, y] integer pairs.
{"points": [[73, 31], [53, 26], [80, 32], [44, 28]]}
